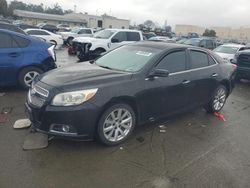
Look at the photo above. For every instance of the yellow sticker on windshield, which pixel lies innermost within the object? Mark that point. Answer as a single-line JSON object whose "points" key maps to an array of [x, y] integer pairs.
{"points": [[144, 53]]}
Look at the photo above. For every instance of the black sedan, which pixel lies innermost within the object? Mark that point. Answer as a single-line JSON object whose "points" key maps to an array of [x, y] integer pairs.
{"points": [[126, 87]]}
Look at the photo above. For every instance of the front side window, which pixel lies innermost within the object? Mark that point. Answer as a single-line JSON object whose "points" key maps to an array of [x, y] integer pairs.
{"points": [[121, 36], [174, 62], [85, 31], [127, 58], [198, 59]]}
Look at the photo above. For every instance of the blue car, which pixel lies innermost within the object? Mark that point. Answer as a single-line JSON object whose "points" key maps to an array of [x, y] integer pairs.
{"points": [[22, 58]]}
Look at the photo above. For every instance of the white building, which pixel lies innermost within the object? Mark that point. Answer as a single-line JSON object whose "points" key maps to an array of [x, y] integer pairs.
{"points": [[72, 19]]}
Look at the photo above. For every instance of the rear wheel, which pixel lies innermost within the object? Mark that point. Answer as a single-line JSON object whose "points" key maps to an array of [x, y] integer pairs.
{"points": [[116, 124], [27, 75], [218, 100]]}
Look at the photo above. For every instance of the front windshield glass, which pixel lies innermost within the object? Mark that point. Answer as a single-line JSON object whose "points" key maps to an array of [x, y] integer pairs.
{"points": [[104, 34], [193, 42], [75, 30], [226, 49], [127, 58]]}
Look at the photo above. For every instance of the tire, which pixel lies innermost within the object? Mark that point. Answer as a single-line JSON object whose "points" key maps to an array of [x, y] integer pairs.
{"points": [[27, 75], [218, 100], [69, 41], [116, 132], [98, 52]]}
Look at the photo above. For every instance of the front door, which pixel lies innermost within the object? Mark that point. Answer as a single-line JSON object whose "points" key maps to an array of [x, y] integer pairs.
{"points": [[166, 95]]}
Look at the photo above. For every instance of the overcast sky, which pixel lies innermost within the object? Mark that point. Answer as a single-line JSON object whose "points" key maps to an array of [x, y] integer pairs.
{"points": [[195, 12]]}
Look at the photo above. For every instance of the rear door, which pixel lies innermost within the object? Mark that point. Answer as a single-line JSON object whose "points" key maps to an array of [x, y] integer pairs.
{"points": [[204, 72], [10, 56]]}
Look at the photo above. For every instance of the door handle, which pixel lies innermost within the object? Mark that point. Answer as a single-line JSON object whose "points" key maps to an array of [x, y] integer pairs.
{"points": [[14, 54], [214, 75], [185, 82]]}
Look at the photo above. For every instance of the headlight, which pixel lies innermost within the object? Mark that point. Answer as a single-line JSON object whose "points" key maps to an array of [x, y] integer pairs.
{"points": [[73, 98]]}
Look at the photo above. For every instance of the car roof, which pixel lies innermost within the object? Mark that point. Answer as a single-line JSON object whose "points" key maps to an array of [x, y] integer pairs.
{"points": [[126, 30], [234, 45], [164, 46]]}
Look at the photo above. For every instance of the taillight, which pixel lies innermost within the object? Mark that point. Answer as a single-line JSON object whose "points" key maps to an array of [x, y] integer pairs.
{"points": [[51, 52]]}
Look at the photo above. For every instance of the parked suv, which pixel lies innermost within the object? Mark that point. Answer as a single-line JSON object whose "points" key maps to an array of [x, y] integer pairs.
{"points": [[104, 41], [207, 43], [242, 60], [22, 58]]}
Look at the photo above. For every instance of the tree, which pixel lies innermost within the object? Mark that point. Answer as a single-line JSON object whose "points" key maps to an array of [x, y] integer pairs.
{"points": [[149, 24], [209, 33], [57, 9], [68, 11], [3, 8]]}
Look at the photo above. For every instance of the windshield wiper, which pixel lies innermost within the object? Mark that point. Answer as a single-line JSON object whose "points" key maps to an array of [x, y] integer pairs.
{"points": [[106, 67]]}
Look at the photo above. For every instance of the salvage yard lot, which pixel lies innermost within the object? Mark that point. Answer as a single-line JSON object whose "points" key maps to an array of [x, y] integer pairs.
{"points": [[194, 149]]}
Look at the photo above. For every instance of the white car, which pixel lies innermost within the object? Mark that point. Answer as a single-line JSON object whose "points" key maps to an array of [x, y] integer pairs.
{"points": [[228, 51], [46, 36], [104, 41], [76, 32]]}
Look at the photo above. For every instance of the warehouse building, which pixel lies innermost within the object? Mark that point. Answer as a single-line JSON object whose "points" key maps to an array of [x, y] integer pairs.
{"points": [[223, 32], [72, 19]]}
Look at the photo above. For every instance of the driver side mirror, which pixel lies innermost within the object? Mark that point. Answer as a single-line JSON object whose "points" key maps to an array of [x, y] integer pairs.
{"points": [[159, 73], [114, 40]]}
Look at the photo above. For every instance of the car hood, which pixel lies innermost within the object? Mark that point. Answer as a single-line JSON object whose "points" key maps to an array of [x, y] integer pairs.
{"points": [[225, 56], [89, 40], [82, 75]]}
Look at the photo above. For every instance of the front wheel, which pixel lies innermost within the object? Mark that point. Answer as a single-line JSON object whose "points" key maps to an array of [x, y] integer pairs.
{"points": [[116, 124], [27, 75], [218, 100]]}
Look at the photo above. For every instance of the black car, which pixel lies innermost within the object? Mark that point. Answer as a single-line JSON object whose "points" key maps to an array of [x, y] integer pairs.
{"points": [[128, 86], [242, 60], [207, 43], [27, 26], [49, 27], [11, 27]]}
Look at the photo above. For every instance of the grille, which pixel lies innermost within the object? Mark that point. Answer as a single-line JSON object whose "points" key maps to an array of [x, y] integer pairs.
{"points": [[244, 59]]}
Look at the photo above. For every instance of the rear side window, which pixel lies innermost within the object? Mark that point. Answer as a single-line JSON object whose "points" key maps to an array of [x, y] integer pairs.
{"points": [[174, 62], [210, 44], [133, 36], [211, 60], [6, 40], [21, 42], [198, 59], [37, 32]]}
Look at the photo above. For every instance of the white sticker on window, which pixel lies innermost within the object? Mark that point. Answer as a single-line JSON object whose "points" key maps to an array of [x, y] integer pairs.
{"points": [[144, 53]]}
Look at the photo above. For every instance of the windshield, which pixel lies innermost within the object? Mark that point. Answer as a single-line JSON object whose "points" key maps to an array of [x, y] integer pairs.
{"points": [[226, 49], [104, 34], [193, 42], [75, 30], [127, 58]]}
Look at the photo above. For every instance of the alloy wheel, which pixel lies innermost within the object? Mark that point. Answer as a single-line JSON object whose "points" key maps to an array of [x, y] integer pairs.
{"points": [[117, 125], [29, 77], [219, 99]]}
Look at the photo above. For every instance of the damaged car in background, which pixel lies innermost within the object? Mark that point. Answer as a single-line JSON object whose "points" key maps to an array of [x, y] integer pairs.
{"points": [[103, 41], [126, 87]]}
